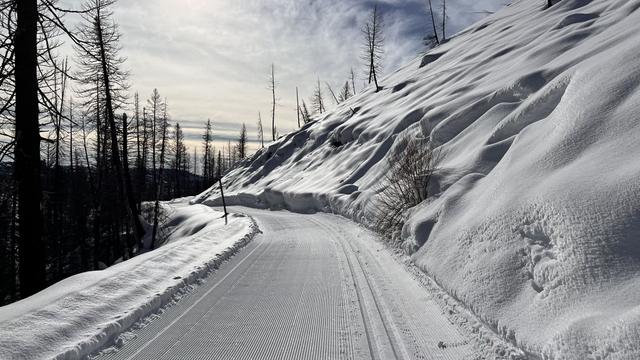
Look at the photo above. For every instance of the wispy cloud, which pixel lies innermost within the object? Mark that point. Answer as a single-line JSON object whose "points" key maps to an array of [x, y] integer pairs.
{"points": [[211, 59]]}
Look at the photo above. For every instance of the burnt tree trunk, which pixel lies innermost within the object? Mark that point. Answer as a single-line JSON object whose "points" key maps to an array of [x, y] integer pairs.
{"points": [[124, 187], [31, 245]]}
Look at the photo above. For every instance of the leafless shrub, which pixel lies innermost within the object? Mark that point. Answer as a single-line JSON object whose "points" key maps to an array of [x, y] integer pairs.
{"points": [[404, 185]]}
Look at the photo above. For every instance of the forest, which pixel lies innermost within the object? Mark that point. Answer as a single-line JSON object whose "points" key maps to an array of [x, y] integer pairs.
{"points": [[83, 165]]}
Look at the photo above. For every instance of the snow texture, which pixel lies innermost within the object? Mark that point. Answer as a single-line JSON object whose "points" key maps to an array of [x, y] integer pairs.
{"points": [[86, 312], [533, 219]]}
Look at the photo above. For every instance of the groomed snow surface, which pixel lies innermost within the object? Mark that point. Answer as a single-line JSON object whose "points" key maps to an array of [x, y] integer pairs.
{"points": [[84, 313], [533, 219], [312, 286]]}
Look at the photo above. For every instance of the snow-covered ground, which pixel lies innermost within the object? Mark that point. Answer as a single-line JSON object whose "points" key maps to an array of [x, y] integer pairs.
{"points": [[313, 286], [533, 217], [83, 313]]}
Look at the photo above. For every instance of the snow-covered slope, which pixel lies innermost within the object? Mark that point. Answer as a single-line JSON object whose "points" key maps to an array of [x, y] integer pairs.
{"points": [[534, 218], [83, 313]]}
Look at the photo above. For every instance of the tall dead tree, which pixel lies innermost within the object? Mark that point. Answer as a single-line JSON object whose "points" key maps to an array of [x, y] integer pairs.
{"points": [[260, 131], [318, 99], [353, 81], [207, 138], [298, 106], [433, 38], [180, 155], [127, 179], [272, 87], [444, 20], [31, 247], [333, 93], [163, 129], [107, 37], [373, 45]]}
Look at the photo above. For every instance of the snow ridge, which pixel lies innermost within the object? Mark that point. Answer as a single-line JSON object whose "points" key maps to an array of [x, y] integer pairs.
{"points": [[97, 307]]}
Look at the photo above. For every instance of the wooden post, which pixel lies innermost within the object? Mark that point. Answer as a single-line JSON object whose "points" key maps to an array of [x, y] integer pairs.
{"points": [[224, 204]]}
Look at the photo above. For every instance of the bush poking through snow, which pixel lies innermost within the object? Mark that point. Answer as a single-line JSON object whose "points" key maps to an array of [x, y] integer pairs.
{"points": [[404, 185]]}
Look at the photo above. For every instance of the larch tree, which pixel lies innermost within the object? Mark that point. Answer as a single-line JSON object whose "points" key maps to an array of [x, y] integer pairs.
{"points": [[373, 45], [242, 143]]}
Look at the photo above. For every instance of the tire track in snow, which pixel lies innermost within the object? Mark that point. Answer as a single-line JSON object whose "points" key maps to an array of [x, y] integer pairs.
{"points": [[391, 343]]}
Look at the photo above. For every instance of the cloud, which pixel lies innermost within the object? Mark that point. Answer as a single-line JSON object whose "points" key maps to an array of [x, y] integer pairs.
{"points": [[211, 59]]}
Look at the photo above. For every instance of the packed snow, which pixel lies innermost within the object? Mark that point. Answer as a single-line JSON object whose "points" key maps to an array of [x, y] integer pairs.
{"points": [[85, 312], [532, 220]]}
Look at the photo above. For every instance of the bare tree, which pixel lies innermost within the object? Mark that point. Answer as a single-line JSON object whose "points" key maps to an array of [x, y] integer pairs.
{"points": [[345, 93], [444, 20], [242, 143], [260, 131], [100, 59], [32, 269], [298, 106], [333, 94], [318, 100], [163, 130], [373, 45], [433, 39], [306, 116], [272, 87], [353, 81], [207, 138], [179, 150]]}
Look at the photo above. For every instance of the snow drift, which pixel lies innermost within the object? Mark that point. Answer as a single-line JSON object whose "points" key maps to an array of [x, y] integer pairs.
{"points": [[534, 219], [83, 313]]}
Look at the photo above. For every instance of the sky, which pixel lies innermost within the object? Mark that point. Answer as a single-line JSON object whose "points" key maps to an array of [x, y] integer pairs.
{"points": [[211, 59]]}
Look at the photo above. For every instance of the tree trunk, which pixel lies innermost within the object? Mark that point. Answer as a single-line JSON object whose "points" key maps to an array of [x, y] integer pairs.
{"points": [[128, 185], [433, 23], [31, 246], [273, 112], [298, 106], [124, 187]]}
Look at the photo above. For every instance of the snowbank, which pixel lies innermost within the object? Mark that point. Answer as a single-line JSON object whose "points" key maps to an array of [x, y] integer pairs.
{"points": [[83, 313], [533, 220]]}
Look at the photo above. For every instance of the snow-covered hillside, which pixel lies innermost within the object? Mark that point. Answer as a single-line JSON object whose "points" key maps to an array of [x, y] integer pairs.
{"points": [[534, 216]]}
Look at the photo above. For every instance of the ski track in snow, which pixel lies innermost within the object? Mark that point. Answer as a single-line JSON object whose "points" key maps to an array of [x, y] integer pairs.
{"points": [[309, 287]]}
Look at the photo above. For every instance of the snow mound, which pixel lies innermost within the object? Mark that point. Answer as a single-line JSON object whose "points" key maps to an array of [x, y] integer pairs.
{"points": [[533, 220], [86, 312]]}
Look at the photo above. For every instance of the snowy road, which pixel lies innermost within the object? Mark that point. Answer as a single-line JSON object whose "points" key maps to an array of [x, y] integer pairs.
{"points": [[309, 287]]}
